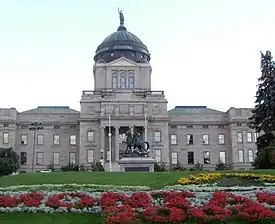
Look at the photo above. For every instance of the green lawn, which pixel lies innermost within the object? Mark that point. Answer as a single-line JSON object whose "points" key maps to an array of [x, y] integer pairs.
{"points": [[154, 180], [42, 218]]}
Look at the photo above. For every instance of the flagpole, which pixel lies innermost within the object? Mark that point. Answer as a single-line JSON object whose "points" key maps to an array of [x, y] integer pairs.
{"points": [[110, 144]]}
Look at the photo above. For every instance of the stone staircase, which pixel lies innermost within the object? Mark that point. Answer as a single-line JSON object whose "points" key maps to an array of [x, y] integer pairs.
{"points": [[115, 167]]}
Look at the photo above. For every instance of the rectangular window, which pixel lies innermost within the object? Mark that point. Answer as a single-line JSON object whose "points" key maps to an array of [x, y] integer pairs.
{"points": [[72, 158], [239, 124], [72, 139], [190, 157], [39, 158], [250, 155], [56, 139], [6, 138], [249, 136], [222, 157], [220, 126], [131, 82], [90, 156], [40, 139], [114, 82], [56, 159], [189, 126], [24, 139], [23, 158], [174, 158], [206, 157], [205, 126], [6, 125], [122, 82], [205, 139], [239, 137], [256, 135], [157, 137], [56, 127], [190, 140], [157, 155], [173, 139], [221, 139], [241, 156], [90, 136]]}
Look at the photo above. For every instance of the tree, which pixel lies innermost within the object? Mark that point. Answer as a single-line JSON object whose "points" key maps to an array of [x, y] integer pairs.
{"points": [[263, 118], [9, 161]]}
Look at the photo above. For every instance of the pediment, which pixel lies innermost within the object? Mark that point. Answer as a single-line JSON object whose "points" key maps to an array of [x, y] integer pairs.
{"points": [[123, 62]]}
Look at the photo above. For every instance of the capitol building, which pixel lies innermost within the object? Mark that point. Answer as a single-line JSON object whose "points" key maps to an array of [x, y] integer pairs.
{"points": [[122, 92]]}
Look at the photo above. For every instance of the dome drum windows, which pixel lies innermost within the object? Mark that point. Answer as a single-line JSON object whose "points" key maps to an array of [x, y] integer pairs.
{"points": [[123, 80]]}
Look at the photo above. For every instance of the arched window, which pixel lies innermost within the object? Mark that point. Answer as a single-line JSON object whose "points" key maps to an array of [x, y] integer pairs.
{"points": [[131, 82], [114, 82], [122, 82]]}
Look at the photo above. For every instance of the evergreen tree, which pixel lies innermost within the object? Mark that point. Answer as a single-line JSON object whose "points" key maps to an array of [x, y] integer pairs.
{"points": [[263, 118], [9, 161]]}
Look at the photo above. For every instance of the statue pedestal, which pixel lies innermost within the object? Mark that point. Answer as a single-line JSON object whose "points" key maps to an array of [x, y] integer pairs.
{"points": [[136, 164]]}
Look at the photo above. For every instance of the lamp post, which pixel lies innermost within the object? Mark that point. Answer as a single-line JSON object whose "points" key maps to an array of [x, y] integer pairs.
{"points": [[110, 143], [36, 125]]}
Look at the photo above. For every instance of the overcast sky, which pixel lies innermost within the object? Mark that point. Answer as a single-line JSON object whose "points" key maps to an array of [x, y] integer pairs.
{"points": [[204, 52]]}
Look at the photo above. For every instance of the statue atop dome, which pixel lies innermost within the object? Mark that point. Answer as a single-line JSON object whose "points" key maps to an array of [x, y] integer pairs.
{"points": [[121, 17]]}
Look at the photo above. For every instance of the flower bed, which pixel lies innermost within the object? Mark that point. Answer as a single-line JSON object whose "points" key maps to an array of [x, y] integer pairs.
{"points": [[213, 177], [153, 206]]}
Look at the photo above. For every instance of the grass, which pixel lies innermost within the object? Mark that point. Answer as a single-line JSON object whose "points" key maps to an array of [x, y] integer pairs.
{"points": [[43, 218], [153, 180]]}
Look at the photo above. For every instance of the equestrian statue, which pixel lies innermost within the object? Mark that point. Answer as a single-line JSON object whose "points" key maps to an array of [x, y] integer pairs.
{"points": [[135, 146]]}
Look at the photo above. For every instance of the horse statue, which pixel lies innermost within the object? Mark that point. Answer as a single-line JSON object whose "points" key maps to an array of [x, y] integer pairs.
{"points": [[135, 146]]}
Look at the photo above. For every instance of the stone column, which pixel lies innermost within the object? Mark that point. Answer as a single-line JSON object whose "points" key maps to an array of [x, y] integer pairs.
{"points": [[116, 143], [102, 141]]}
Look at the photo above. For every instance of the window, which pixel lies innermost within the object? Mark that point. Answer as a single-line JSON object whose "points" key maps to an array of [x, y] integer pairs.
{"points": [[256, 135], [23, 158], [189, 126], [6, 138], [239, 124], [90, 136], [90, 156], [190, 140], [222, 157], [220, 126], [56, 159], [72, 126], [131, 82], [157, 137], [40, 139], [122, 82], [239, 137], [39, 158], [250, 155], [6, 125], [24, 139], [206, 157], [56, 127], [72, 139], [205, 126], [56, 139], [221, 139], [174, 127], [249, 137], [190, 157], [241, 156], [174, 158], [114, 82], [157, 155], [72, 158], [173, 139], [205, 139]]}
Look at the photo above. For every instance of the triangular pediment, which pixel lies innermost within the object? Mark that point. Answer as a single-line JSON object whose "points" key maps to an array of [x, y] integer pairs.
{"points": [[123, 62]]}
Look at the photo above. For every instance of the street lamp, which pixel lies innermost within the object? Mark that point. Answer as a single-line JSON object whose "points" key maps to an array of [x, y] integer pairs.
{"points": [[36, 125]]}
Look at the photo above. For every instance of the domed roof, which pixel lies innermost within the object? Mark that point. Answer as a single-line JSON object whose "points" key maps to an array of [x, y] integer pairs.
{"points": [[122, 44]]}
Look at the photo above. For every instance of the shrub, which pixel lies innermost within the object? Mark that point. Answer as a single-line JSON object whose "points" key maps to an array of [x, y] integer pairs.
{"points": [[222, 166], [98, 167], [197, 167], [159, 167], [177, 167], [51, 167], [70, 167]]}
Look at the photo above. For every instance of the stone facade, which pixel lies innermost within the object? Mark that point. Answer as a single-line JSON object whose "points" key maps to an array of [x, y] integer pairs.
{"points": [[185, 134]]}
